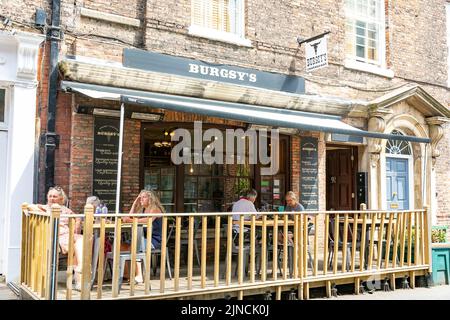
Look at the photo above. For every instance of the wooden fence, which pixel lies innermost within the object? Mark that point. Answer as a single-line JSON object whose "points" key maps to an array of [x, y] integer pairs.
{"points": [[277, 252]]}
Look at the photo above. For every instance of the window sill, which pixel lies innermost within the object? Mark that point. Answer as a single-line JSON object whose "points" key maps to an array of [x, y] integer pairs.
{"points": [[212, 34], [360, 66]]}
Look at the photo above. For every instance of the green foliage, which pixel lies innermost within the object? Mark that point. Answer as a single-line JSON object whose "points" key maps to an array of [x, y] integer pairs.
{"points": [[438, 235]]}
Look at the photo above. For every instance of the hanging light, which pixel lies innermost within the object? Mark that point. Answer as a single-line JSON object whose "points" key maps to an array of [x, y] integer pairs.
{"points": [[166, 133]]}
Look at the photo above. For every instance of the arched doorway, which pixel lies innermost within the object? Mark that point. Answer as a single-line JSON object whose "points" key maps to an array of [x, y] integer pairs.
{"points": [[399, 174]]}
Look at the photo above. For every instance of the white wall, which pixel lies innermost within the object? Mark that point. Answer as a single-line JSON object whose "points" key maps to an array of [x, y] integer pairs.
{"points": [[18, 74]]}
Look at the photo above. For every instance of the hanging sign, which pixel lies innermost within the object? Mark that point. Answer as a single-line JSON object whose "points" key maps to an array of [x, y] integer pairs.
{"points": [[316, 54]]}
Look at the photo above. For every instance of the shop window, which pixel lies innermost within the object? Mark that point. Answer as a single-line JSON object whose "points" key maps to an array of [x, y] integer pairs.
{"points": [[221, 20], [364, 33], [2, 105]]}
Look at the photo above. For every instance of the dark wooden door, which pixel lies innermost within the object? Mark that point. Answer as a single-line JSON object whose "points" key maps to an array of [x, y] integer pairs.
{"points": [[340, 179]]}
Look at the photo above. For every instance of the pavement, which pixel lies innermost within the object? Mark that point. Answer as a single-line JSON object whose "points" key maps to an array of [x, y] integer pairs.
{"points": [[432, 293], [6, 293]]}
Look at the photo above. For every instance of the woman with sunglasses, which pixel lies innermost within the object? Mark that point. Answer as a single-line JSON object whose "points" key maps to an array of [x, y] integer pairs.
{"points": [[56, 195]]}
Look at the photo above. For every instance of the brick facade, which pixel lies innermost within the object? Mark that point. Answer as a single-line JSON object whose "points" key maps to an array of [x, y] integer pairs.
{"points": [[416, 51]]}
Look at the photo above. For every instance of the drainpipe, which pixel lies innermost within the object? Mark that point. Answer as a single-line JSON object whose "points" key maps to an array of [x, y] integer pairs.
{"points": [[51, 139]]}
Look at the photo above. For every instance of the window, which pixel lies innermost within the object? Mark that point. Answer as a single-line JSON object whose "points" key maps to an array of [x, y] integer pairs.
{"points": [[2, 105], [364, 33], [398, 146], [221, 20]]}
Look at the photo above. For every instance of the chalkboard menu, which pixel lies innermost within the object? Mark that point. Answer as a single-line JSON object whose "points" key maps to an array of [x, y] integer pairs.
{"points": [[309, 186], [106, 150]]}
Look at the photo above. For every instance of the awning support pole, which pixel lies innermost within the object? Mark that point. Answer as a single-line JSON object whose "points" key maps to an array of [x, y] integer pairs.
{"points": [[119, 162]]}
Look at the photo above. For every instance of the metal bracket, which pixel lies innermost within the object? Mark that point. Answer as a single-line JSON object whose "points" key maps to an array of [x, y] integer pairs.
{"points": [[50, 139], [301, 40], [55, 33]]}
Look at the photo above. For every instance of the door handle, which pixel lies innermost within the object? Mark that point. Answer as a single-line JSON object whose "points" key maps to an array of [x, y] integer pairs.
{"points": [[394, 194]]}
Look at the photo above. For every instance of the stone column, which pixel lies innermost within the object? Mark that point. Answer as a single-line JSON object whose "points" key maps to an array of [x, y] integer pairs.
{"points": [[377, 123], [436, 132]]}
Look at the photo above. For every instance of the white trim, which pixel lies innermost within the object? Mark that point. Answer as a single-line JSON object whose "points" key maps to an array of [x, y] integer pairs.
{"points": [[378, 66], [370, 68], [213, 34]]}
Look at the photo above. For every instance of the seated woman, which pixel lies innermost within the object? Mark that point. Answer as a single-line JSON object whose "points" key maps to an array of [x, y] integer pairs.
{"points": [[56, 195], [147, 202]]}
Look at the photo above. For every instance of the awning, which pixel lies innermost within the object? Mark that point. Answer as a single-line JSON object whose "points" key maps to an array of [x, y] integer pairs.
{"points": [[260, 115]]}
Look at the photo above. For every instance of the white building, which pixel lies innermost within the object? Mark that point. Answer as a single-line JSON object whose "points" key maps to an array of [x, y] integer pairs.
{"points": [[18, 68]]}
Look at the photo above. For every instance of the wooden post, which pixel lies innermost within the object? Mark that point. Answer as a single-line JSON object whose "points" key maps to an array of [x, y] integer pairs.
{"points": [[388, 241], [278, 293], [217, 253], [336, 243], [328, 288], [362, 252], [275, 247], [101, 259], [354, 237], [306, 290], [316, 246], [177, 252], [52, 276], [252, 248], [427, 227], [402, 238], [116, 249], [148, 255], [264, 248], [241, 249], [87, 252], [380, 240], [230, 245], [69, 272], [190, 251], [204, 249], [344, 244], [357, 284], [162, 268], [397, 227], [326, 240], [410, 222], [372, 236], [23, 250], [133, 255], [296, 245], [416, 238], [305, 245]]}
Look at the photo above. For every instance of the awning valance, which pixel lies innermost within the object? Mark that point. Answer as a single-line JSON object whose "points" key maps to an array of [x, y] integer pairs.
{"points": [[254, 114]]}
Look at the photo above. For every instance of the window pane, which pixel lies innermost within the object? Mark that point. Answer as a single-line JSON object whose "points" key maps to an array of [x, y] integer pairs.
{"points": [[204, 188], [360, 41], [190, 187], [2, 105], [360, 52]]}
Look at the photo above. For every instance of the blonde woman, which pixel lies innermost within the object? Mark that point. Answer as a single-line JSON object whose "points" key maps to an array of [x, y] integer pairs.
{"points": [[147, 202], [56, 195]]}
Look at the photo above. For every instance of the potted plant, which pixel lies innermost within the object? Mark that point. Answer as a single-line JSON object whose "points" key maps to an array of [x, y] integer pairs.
{"points": [[440, 255]]}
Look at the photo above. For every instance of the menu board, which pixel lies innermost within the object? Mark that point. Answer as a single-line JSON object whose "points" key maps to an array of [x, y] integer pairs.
{"points": [[106, 150], [309, 169]]}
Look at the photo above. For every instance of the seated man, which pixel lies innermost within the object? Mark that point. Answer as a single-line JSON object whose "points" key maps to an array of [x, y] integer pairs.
{"points": [[245, 204]]}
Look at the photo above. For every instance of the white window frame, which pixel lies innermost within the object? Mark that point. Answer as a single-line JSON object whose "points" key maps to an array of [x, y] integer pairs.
{"points": [[377, 67], [237, 38]]}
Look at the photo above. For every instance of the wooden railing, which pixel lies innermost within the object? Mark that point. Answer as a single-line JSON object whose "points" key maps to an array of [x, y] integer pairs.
{"points": [[277, 252]]}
